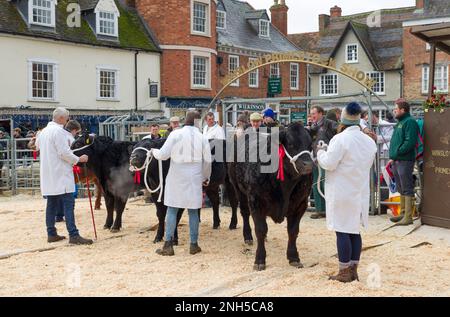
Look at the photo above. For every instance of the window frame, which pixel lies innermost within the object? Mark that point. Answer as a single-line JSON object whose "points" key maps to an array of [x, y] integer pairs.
{"points": [[207, 56], [55, 70], [31, 6], [321, 86], [256, 72], [108, 68], [297, 87], [235, 83], [262, 21], [369, 74], [425, 88], [278, 70], [207, 31], [116, 24], [224, 19], [347, 51]]}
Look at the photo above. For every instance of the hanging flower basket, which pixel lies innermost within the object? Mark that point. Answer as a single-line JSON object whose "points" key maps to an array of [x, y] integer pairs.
{"points": [[438, 102]]}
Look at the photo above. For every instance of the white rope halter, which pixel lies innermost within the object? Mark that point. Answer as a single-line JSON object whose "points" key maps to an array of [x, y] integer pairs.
{"points": [[148, 159], [86, 146], [294, 159]]}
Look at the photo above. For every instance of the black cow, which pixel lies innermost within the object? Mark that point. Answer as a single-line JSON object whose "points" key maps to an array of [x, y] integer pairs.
{"points": [[218, 177], [109, 160], [263, 195]]}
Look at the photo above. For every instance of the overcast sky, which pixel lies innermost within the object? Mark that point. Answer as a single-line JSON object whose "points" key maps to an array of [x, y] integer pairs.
{"points": [[303, 14]]}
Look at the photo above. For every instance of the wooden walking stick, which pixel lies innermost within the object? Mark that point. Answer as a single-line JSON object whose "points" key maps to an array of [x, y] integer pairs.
{"points": [[90, 200]]}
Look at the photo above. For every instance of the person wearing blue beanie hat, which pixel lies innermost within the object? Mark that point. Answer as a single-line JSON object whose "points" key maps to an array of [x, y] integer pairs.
{"points": [[269, 118], [351, 115]]}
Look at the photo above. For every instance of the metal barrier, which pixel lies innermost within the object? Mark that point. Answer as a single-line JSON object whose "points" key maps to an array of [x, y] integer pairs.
{"points": [[6, 166], [25, 167]]}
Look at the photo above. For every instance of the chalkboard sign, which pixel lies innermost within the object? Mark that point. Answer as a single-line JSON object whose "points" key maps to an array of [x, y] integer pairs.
{"points": [[153, 90]]}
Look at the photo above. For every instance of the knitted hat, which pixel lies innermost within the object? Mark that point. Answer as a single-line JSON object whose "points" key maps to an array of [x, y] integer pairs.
{"points": [[269, 113], [351, 114], [256, 116]]}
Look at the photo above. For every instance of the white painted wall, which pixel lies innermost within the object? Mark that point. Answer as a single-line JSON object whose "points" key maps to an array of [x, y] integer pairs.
{"points": [[77, 74], [347, 85]]}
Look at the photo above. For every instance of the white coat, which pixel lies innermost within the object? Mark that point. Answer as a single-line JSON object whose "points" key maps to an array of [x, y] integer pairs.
{"points": [[214, 132], [347, 162], [190, 166], [56, 160]]}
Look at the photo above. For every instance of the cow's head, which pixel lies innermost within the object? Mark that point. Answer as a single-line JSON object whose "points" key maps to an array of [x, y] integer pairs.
{"points": [[89, 144], [296, 139], [138, 156], [325, 133]]}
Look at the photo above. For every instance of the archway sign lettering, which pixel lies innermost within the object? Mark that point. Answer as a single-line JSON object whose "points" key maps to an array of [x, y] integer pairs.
{"points": [[300, 57]]}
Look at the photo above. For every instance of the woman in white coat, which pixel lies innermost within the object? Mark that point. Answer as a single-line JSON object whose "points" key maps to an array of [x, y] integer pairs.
{"points": [[348, 160], [190, 168]]}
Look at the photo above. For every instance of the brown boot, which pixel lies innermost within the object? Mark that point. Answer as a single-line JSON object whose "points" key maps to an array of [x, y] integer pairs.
{"points": [[344, 275], [318, 215], [355, 276], [56, 238], [167, 249], [402, 210], [194, 249], [407, 219]]}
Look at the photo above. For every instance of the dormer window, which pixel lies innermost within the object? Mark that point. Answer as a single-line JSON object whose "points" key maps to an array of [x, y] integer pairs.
{"points": [[42, 12], [221, 19], [107, 24], [264, 29]]}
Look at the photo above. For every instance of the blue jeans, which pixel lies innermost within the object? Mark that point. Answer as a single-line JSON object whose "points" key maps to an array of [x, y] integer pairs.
{"points": [[67, 201], [60, 210], [171, 223]]}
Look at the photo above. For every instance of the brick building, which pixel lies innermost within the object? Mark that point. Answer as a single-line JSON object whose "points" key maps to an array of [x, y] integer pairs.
{"points": [[203, 40], [245, 34], [417, 53]]}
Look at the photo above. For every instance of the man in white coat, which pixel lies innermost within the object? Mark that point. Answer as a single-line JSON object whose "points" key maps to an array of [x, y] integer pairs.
{"points": [[347, 161], [56, 175], [190, 168], [212, 130]]}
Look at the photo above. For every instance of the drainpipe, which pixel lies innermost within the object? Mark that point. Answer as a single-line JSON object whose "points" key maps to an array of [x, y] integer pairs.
{"points": [[401, 83], [308, 87], [135, 81]]}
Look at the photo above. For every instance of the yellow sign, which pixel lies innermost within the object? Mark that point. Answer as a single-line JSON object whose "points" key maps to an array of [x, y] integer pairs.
{"points": [[301, 57]]}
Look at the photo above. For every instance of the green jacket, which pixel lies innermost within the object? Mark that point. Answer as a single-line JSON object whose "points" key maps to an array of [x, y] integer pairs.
{"points": [[404, 139]]}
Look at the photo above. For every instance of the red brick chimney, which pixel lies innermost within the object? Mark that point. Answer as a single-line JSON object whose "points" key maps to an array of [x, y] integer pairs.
{"points": [[279, 12], [420, 4], [335, 12], [324, 22]]}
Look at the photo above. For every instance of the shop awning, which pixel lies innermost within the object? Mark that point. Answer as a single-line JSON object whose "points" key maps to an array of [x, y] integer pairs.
{"points": [[439, 34]]}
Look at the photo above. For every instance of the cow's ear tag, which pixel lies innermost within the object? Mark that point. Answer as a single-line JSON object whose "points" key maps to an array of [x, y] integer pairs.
{"points": [[87, 141]]}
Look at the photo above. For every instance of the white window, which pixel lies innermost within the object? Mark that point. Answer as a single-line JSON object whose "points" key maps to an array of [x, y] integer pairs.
{"points": [[328, 85], [253, 77], [352, 53], [107, 83], [440, 78], [221, 19], [275, 70], [379, 78], [42, 80], [107, 23], [264, 28], [200, 70], [294, 76], [233, 64], [42, 12], [200, 17]]}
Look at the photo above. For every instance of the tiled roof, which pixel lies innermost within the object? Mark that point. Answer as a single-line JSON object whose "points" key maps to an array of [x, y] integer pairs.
{"points": [[242, 30], [383, 43], [133, 33]]}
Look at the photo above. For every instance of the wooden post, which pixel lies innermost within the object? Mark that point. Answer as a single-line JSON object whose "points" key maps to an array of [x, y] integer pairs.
{"points": [[219, 109], [432, 69]]}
